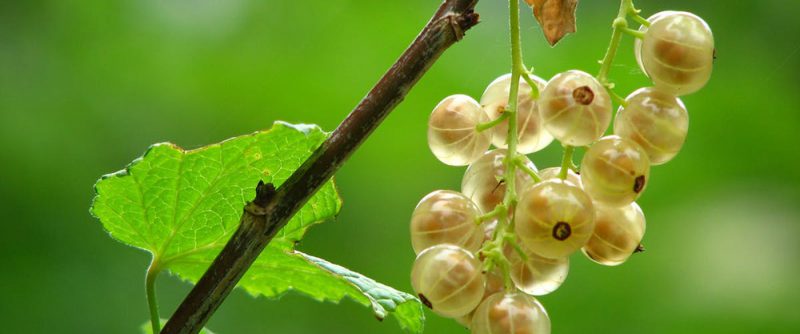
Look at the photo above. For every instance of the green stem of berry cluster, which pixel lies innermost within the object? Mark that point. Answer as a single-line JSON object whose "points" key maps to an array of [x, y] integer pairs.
{"points": [[526, 75], [521, 165], [488, 125], [503, 234], [620, 27], [493, 250], [498, 211], [566, 162]]}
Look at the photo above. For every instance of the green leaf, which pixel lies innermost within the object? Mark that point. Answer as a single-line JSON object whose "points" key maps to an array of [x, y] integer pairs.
{"points": [[382, 298], [183, 206]]}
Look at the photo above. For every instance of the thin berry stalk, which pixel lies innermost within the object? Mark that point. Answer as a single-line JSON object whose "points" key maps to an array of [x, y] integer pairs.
{"points": [[509, 201], [566, 162], [618, 27], [490, 124], [493, 250]]}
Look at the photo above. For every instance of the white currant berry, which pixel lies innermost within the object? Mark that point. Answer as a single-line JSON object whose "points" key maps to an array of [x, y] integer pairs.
{"points": [[536, 275], [637, 43], [575, 107], [615, 171], [655, 120], [482, 181], [452, 134], [448, 280], [618, 232], [446, 217], [530, 133], [555, 173], [494, 284], [677, 52], [510, 313], [554, 218]]}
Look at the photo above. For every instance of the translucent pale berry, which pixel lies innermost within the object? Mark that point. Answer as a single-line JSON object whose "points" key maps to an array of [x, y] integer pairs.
{"points": [[617, 233], [464, 320], [494, 284], [554, 173], [481, 181], [677, 52], [452, 136], [448, 280], [537, 275], [655, 120], [615, 171], [554, 218], [446, 217], [637, 44], [510, 313], [575, 107], [530, 133]]}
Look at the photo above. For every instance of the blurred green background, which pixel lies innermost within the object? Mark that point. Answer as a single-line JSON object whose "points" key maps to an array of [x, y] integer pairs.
{"points": [[86, 86]]}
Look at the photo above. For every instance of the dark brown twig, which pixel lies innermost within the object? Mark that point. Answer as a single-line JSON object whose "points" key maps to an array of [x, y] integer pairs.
{"points": [[271, 209]]}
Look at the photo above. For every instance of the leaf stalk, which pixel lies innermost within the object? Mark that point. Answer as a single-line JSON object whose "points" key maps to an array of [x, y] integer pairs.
{"points": [[150, 289]]}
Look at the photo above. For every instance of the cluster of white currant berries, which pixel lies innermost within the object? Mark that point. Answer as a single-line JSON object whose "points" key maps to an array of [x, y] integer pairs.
{"points": [[481, 254]]}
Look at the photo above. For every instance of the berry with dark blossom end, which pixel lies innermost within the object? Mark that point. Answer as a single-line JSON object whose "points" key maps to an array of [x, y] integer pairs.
{"points": [[554, 218], [617, 234], [448, 280], [615, 171], [575, 107]]}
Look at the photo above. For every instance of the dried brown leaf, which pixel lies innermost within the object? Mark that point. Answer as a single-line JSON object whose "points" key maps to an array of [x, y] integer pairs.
{"points": [[556, 17]]}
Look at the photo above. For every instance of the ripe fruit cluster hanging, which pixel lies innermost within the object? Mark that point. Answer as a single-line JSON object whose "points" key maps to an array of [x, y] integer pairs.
{"points": [[483, 253]]}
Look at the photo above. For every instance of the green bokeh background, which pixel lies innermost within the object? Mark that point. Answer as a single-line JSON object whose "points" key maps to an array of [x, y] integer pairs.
{"points": [[86, 86]]}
